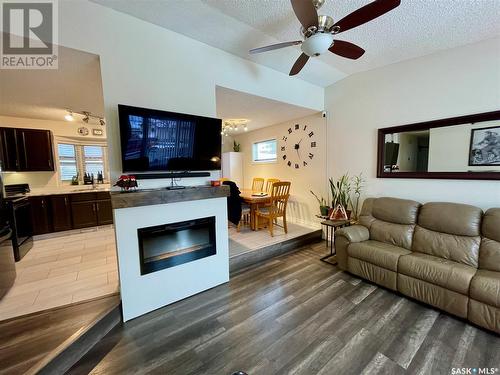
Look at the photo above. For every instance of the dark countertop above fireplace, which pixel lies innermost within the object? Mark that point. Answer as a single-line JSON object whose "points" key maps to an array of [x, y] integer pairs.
{"points": [[149, 197]]}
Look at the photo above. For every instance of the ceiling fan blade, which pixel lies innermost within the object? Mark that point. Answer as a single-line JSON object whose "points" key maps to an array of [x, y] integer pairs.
{"points": [[367, 13], [346, 49], [275, 46], [305, 12], [299, 64]]}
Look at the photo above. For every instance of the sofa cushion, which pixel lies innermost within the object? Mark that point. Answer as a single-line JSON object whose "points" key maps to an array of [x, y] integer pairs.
{"points": [[484, 315], [489, 252], [443, 298], [451, 218], [393, 234], [378, 253], [376, 274], [394, 210], [462, 249], [491, 224], [489, 255], [485, 287], [447, 274]]}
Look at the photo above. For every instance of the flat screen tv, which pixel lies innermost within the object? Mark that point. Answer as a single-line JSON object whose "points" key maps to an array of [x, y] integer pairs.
{"points": [[153, 140]]}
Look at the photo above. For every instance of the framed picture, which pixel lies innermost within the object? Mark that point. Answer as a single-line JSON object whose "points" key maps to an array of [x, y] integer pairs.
{"points": [[485, 146]]}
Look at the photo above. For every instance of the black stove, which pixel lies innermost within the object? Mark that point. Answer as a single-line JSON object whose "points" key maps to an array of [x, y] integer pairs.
{"points": [[19, 216]]}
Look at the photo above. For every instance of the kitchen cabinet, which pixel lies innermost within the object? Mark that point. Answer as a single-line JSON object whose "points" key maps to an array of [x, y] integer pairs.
{"points": [[91, 209], [60, 208], [8, 149], [104, 212], [35, 150], [27, 150], [40, 215]]}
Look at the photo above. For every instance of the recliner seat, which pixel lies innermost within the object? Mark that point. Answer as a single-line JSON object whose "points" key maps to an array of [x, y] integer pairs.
{"points": [[443, 254]]}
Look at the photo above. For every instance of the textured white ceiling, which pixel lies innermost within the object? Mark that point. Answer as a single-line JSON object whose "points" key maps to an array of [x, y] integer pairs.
{"points": [[260, 112], [46, 94], [415, 28]]}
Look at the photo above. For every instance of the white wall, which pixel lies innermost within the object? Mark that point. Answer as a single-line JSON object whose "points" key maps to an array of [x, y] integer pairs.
{"points": [[451, 83], [59, 129], [148, 66], [302, 205]]}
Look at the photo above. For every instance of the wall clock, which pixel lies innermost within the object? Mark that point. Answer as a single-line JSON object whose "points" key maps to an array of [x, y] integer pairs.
{"points": [[298, 146]]}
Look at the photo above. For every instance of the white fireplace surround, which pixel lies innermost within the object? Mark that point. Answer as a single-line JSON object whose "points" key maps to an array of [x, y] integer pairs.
{"points": [[144, 293]]}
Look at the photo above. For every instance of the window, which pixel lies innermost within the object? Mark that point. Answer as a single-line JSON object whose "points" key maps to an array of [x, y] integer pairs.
{"points": [[67, 161], [264, 151], [93, 159], [77, 159]]}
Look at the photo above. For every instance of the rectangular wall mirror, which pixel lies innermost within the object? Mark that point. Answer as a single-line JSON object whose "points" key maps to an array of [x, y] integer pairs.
{"points": [[466, 147]]}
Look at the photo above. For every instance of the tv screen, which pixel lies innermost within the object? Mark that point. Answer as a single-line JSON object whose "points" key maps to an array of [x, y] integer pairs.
{"points": [[155, 140]]}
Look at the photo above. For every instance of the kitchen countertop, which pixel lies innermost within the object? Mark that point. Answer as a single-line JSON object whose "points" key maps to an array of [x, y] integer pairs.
{"points": [[66, 190]]}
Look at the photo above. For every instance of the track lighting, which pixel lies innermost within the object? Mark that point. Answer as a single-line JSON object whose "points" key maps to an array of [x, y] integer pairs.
{"points": [[86, 117], [69, 116]]}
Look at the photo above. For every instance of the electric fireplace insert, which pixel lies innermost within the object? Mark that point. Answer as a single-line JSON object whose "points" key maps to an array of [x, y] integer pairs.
{"points": [[169, 245]]}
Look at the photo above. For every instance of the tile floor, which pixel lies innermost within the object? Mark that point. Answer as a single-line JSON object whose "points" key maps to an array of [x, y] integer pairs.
{"points": [[63, 268], [248, 240]]}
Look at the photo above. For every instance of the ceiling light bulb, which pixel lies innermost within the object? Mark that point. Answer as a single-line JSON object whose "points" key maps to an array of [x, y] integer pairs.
{"points": [[69, 116], [245, 128], [317, 44]]}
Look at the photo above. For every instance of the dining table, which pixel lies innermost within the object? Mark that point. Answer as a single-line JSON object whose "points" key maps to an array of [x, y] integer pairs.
{"points": [[254, 199]]}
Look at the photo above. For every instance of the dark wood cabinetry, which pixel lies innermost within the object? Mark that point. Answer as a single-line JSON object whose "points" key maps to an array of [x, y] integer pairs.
{"points": [[58, 212], [91, 209], [61, 212], [8, 149], [26, 150], [40, 215], [104, 212]]}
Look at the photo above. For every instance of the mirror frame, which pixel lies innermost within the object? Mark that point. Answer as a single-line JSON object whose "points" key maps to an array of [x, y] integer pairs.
{"points": [[480, 117]]}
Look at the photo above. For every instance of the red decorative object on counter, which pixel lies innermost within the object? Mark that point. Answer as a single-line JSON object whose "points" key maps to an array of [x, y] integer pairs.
{"points": [[126, 182]]}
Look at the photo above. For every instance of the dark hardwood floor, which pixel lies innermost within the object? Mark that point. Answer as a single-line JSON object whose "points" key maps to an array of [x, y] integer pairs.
{"points": [[26, 340], [293, 315]]}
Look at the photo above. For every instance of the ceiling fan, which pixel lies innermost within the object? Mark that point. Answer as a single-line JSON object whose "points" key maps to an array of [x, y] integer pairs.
{"points": [[318, 30]]}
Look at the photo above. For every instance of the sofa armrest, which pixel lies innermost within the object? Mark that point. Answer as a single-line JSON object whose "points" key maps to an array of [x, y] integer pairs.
{"points": [[354, 233], [346, 236]]}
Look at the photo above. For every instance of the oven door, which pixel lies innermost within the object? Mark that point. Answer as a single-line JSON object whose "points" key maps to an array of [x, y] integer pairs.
{"points": [[23, 226]]}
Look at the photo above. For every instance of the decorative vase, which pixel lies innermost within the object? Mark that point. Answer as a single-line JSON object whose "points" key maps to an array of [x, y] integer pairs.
{"points": [[324, 210]]}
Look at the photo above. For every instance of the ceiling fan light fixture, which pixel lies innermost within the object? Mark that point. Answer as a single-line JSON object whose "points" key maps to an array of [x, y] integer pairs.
{"points": [[317, 44]]}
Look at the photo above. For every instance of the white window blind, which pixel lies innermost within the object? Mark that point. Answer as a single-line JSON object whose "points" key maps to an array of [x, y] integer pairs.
{"points": [[93, 159], [67, 161], [78, 159], [264, 151]]}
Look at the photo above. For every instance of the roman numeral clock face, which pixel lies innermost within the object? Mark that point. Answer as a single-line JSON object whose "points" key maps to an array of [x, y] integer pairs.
{"points": [[298, 146]]}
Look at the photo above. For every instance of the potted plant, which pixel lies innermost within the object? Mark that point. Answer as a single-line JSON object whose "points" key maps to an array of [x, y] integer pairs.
{"points": [[236, 146], [323, 208], [341, 192], [358, 187]]}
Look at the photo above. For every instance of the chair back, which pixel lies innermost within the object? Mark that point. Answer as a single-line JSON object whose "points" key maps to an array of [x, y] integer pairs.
{"points": [[269, 185], [257, 184], [224, 179], [233, 203], [279, 197]]}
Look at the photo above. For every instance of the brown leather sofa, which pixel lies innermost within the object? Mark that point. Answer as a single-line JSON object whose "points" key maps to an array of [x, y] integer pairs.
{"points": [[443, 254]]}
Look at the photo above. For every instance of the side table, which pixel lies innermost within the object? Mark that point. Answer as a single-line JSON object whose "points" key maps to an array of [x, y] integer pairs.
{"points": [[331, 226]]}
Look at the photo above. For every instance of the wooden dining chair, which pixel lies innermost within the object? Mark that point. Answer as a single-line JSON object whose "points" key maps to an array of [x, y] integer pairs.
{"points": [[224, 179], [257, 184], [277, 208], [269, 184]]}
